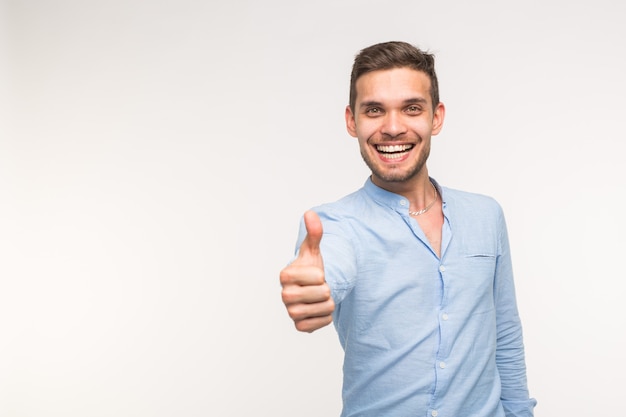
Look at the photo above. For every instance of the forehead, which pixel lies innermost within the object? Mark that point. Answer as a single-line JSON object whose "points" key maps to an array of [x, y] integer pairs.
{"points": [[396, 84]]}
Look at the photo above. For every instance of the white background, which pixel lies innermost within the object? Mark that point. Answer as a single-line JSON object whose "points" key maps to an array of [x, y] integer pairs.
{"points": [[156, 156]]}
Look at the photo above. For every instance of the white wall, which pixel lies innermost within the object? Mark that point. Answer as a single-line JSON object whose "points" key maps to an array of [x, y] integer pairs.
{"points": [[158, 155]]}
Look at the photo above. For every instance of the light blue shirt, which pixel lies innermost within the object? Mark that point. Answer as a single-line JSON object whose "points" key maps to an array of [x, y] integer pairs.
{"points": [[424, 336]]}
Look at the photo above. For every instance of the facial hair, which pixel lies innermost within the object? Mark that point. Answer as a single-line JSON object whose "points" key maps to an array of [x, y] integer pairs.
{"points": [[395, 175]]}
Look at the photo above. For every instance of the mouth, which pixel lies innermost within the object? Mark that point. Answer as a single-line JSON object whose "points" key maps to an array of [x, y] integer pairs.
{"points": [[394, 151]]}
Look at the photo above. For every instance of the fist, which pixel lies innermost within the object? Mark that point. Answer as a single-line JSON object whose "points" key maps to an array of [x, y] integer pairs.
{"points": [[305, 292]]}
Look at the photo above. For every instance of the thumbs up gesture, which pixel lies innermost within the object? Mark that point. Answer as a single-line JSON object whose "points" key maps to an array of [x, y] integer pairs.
{"points": [[305, 292]]}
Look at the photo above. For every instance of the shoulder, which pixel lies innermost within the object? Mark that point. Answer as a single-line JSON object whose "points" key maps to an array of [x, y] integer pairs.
{"points": [[470, 202], [473, 211], [345, 209], [353, 215]]}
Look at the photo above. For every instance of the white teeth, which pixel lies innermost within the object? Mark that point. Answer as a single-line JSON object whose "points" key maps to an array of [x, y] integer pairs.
{"points": [[393, 148], [395, 155]]}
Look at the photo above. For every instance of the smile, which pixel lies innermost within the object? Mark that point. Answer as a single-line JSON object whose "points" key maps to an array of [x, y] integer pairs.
{"points": [[394, 151]]}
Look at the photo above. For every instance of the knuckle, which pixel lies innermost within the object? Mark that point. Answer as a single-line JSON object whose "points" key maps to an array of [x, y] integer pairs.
{"points": [[331, 306], [319, 277], [326, 292], [294, 311], [302, 326], [285, 276], [291, 295], [287, 295]]}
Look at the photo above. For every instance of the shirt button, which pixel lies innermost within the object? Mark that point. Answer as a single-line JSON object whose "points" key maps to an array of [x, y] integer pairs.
{"points": [[434, 413], [442, 365], [444, 316], [442, 268], [403, 203]]}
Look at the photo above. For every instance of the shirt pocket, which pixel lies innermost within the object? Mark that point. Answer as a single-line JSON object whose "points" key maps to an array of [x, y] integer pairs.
{"points": [[480, 264], [478, 274], [481, 256]]}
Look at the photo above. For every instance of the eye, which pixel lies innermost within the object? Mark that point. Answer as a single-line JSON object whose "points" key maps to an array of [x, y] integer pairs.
{"points": [[373, 111], [414, 109]]}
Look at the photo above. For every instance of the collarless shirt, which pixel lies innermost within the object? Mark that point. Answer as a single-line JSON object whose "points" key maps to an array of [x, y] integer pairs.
{"points": [[424, 335]]}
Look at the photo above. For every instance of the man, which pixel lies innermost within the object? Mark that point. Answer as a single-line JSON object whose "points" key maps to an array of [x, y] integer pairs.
{"points": [[416, 277]]}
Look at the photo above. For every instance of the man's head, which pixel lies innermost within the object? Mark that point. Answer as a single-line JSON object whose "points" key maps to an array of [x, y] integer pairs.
{"points": [[390, 55], [394, 110]]}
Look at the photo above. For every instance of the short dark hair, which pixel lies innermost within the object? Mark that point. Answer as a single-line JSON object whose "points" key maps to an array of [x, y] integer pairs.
{"points": [[388, 55]]}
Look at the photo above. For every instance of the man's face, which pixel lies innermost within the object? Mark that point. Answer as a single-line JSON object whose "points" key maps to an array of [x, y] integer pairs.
{"points": [[394, 120]]}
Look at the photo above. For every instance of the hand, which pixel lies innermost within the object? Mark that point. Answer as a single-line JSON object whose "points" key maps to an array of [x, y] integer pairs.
{"points": [[305, 292]]}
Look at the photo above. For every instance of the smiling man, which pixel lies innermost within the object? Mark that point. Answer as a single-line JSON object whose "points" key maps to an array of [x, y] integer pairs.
{"points": [[416, 277]]}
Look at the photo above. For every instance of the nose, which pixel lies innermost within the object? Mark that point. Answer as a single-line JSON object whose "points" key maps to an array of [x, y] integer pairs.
{"points": [[393, 124]]}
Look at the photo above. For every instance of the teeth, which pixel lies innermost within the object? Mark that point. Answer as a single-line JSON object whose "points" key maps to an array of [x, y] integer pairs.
{"points": [[393, 148], [395, 155]]}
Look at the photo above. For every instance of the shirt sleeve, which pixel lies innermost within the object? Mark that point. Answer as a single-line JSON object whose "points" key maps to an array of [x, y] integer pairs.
{"points": [[510, 346]]}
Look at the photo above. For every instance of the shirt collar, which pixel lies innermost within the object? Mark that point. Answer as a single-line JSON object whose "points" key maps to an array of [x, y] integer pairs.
{"points": [[392, 200]]}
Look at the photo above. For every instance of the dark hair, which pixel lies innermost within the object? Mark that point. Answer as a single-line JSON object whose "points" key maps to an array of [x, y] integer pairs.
{"points": [[388, 55]]}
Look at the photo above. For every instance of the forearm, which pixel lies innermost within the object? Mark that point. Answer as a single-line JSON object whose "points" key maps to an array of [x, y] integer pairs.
{"points": [[511, 364], [510, 357]]}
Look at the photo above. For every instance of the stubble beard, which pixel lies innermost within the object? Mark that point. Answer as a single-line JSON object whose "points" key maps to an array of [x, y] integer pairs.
{"points": [[396, 176]]}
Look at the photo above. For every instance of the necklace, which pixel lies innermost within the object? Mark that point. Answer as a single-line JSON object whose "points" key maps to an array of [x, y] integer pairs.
{"points": [[425, 209]]}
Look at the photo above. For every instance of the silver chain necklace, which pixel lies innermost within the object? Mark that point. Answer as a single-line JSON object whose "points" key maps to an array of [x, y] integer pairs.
{"points": [[425, 209]]}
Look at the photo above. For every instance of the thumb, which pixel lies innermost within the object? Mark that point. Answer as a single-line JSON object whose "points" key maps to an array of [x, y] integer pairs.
{"points": [[311, 245]]}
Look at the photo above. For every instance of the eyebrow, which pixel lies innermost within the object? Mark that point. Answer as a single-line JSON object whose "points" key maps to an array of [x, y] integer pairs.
{"points": [[370, 104], [414, 100]]}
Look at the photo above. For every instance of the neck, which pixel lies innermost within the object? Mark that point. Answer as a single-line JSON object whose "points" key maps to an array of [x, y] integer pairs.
{"points": [[424, 209], [416, 189]]}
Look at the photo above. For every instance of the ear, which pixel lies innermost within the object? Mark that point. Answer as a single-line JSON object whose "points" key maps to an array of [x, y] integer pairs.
{"points": [[350, 122], [438, 116]]}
